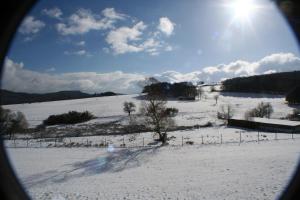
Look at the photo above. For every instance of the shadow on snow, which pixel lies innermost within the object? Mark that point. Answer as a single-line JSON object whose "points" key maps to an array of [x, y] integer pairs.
{"points": [[115, 161]]}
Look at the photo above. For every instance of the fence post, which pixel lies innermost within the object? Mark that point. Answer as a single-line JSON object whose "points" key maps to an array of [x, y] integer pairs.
{"points": [[143, 142], [221, 139], [123, 142], [258, 137], [202, 139], [40, 142], [105, 141], [182, 141], [27, 142]]}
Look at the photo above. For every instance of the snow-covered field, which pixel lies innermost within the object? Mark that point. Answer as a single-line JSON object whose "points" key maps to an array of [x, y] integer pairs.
{"points": [[249, 171], [190, 112], [210, 135]]}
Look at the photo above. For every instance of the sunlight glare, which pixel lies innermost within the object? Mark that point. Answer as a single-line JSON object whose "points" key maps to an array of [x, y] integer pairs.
{"points": [[242, 9]]}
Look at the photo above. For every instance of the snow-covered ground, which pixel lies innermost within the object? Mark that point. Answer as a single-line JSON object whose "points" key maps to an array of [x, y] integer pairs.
{"points": [[190, 112], [240, 168], [210, 135], [249, 171]]}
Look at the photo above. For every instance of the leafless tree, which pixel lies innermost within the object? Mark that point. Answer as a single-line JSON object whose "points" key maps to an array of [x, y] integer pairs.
{"points": [[129, 107], [157, 116], [200, 92], [216, 97], [226, 112], [12, 122]]}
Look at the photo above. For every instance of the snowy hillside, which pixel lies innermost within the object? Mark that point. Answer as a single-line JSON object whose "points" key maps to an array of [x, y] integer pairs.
{"points": [[190, 112], [216, 162]]}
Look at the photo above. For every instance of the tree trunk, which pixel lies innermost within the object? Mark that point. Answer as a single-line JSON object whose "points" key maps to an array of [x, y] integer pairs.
{"points": [[163, 138]]}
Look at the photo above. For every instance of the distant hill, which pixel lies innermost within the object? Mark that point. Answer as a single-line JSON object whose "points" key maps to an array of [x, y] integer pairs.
{"points": [[277, 83], [9, 97]]}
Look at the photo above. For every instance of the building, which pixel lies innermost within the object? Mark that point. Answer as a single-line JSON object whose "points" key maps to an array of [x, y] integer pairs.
{"points": [[265, 124]]}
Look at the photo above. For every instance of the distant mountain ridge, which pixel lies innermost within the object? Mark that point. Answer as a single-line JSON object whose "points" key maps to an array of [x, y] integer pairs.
{"points": [[8, 97]]}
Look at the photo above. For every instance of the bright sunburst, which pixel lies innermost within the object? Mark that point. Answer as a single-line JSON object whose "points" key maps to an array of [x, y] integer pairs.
{"points": [[242, 10]]}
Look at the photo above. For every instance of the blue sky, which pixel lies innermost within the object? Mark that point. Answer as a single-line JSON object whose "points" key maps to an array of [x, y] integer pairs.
{"points": [[95, 46]]}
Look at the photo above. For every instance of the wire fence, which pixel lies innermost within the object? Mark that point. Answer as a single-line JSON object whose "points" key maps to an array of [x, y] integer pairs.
{"points": [[143, 140]]}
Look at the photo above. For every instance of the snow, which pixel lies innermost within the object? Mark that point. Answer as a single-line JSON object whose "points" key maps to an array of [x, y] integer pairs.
{"points": [[210, 135], [190, 112], [248, 171], [239, 168], [276, 121]]}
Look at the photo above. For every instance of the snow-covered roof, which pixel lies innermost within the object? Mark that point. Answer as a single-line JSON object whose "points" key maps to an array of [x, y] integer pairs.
{"points": [[274, 121]]}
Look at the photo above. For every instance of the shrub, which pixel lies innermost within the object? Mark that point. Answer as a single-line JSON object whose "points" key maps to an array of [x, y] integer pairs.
{"points": [[262, 110], [171, 112], [295, 116], [71, 117], [189, 142], [213, 88]]}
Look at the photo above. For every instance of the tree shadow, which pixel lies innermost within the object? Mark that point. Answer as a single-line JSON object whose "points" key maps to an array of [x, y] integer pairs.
{"points": [[115, 161], [144, 98], [295, 106], [250, 95]]}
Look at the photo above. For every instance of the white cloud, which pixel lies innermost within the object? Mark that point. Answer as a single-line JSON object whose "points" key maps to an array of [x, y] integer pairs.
{"points": [[119, 39], [83, 21], [18, 78], [53, 12], [80, 43], [51, 69], [112, 14], [30, 25], [166, 26], [78, 53], [130, 39], [211, 70], [169, 48], [174, 76], [278, 62]]}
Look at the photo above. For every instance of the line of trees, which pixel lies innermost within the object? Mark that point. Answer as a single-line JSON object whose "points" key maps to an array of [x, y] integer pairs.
{"points": [[175, 90], [279, 83]]}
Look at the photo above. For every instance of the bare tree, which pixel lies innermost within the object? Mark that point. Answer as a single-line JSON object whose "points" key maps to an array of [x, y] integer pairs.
{"points": [[216, 97], [12, 122], [157, 116], [200, 92], [226, 112], [129, 107]]}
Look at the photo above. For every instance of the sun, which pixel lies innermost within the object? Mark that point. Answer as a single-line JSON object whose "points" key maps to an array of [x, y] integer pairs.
{"points": [[242, 10]]}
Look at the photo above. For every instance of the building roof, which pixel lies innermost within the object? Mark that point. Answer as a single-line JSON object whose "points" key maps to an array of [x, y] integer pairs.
{"points": [[273, 121]]}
